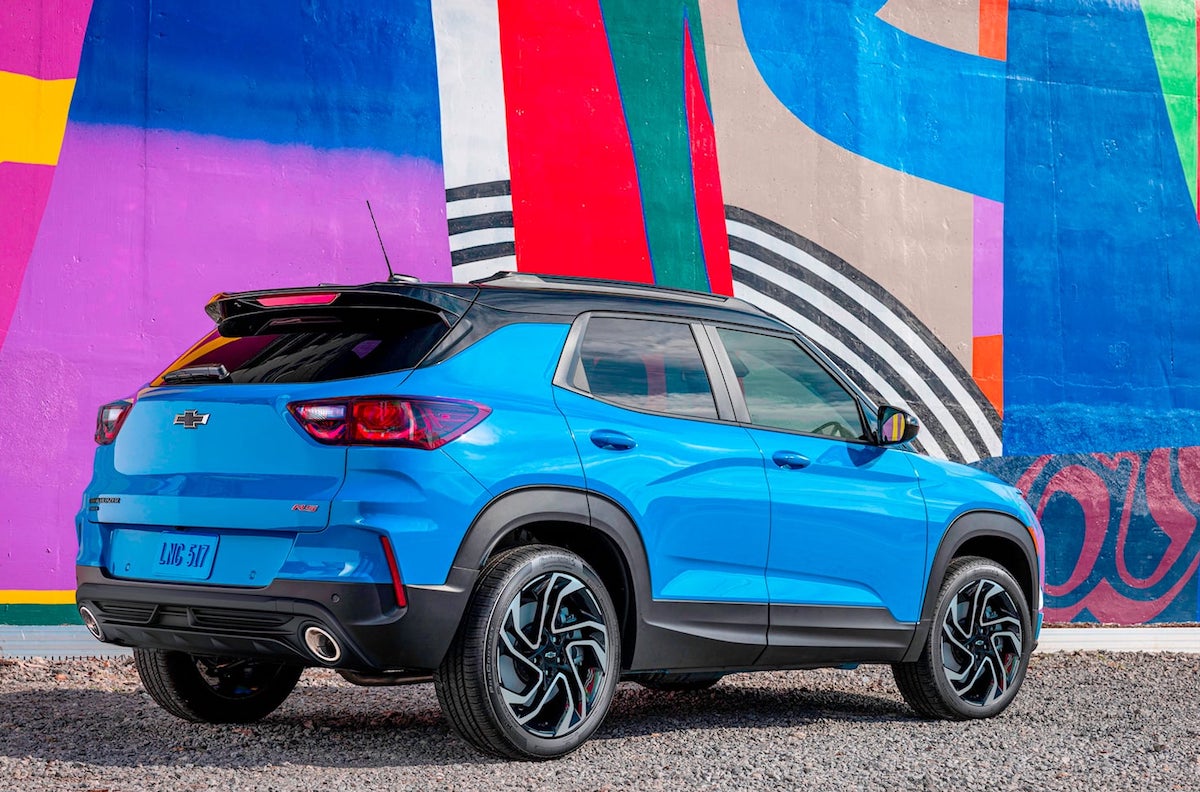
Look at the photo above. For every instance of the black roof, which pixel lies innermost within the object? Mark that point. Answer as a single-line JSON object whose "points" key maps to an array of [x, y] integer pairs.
{"points": [[519, 292]]}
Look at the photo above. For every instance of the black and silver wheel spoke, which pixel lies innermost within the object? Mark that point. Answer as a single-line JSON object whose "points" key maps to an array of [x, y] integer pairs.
{"points": [[981, 642], [551, 654]]}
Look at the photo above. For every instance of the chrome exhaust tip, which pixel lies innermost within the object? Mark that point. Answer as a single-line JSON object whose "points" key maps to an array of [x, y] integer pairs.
{"points": [[91, 622], [322, 645]]}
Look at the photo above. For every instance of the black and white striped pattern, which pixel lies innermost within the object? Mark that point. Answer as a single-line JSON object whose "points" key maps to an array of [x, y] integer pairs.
{"points": [[481, 229], [866, 331], [889, 351]]}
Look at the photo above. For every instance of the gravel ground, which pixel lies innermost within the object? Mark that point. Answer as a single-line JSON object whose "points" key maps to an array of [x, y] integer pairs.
{"points": [[1084, 721]]}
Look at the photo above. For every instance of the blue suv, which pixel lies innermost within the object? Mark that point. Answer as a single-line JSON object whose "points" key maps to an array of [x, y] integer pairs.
{"points": [[529, 488]]}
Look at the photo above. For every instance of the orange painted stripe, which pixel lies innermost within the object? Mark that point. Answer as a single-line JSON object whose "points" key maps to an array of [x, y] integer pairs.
{"points": [[21, 597], [993, 29], [987, 367]]}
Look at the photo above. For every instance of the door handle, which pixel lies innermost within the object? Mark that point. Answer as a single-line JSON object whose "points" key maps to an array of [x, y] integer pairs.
{"points": [[611, 440], [790, 460]]}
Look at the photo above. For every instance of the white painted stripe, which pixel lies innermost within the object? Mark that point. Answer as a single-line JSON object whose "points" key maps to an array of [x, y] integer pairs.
{"points": [[482, 236], [1119, 639], [482, 269], [897, 325], [477, 206], [471, 91], [836, 347], [826, 305]]}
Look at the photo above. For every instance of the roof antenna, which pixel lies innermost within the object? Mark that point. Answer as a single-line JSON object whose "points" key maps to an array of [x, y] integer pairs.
{"points": [[392, 276]]}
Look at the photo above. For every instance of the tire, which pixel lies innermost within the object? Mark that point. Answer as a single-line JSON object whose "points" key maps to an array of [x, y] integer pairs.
{"points": [[215, 689], [679, 683], [977, 652], [493, 684]]}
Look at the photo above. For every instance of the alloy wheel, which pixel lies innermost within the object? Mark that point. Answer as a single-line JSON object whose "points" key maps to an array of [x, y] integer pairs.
{"points": [[551, 654], [982, 642]]}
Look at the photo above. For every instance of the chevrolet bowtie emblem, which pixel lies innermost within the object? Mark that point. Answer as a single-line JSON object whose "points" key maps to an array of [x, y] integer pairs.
{"points": [[190, 419]]}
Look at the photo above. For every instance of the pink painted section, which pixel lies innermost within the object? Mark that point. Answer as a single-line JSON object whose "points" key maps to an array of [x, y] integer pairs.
{"points": [[141, 229], [988, 283], [24, 190], [42, 38]]}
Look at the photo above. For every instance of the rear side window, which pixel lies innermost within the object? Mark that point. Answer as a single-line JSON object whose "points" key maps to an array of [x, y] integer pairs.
{"points": [[331, 350], [644, 364]]}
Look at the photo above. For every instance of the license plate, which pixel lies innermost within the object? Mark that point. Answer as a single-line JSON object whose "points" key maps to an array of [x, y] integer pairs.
{"points": [[187, 556]]}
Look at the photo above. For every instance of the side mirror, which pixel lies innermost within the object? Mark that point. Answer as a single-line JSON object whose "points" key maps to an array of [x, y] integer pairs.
{"points": [[894, 426]]}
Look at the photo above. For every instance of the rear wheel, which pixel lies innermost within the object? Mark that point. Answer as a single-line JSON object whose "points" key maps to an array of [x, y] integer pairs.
{"points": [[679, 683], [977, 652], [215, 689], [533, 668]]}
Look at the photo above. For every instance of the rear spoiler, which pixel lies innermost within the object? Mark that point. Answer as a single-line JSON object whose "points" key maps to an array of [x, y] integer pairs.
{"points": [[248, 313]]}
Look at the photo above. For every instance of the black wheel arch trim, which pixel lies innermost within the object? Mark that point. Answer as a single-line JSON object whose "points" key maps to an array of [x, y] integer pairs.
{"points": [[965, 528], [523, 507]]}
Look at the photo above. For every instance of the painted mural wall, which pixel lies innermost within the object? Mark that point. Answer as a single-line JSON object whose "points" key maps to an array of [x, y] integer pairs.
{"points": [[987, 209]]}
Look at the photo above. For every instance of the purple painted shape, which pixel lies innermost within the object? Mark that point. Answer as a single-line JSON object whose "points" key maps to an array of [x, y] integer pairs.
{"points": [[24, 190], [43, 38], [988, 283], [141, 229]]}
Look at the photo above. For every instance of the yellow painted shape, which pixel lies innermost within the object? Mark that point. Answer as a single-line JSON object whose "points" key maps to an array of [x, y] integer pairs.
{"points": [[37, 597], [33, 118]]}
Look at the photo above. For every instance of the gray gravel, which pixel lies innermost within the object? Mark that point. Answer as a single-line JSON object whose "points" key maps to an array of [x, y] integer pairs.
{"points": [[1085, 721]]}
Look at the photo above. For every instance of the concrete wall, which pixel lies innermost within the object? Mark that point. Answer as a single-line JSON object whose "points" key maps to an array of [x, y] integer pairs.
{"points": [[985, 208]]}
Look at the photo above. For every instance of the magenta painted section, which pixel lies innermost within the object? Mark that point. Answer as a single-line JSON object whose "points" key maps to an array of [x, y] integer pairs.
{"points": [[988, 286], [140, 230], [42, 38], [23, 193]]}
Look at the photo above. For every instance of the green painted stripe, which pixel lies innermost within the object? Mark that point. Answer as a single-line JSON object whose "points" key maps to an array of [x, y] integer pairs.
{"points": [[1172, 28], [646, 40], [39, 614]]}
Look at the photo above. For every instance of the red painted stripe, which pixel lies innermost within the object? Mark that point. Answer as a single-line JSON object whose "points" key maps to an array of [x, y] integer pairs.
{"points": [[577, 206], [706, 176]]}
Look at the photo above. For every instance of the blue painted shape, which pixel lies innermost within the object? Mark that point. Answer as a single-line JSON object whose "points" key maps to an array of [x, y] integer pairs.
{"points": [[1101, 335], [881, 93], [342, 74]]}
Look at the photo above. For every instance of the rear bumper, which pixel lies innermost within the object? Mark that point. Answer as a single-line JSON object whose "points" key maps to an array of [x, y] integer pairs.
{"points": [[268, 622]]}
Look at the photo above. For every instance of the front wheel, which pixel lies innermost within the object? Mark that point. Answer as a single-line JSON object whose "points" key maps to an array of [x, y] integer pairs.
{"points": [[533, 667], [978, 648], [214, 689]]}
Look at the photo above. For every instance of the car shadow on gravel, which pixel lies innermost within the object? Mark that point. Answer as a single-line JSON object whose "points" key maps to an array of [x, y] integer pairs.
{"points": [[637, 712], [125, 729]]}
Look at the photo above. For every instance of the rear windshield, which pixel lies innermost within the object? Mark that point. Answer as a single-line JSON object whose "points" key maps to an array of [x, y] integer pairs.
{"points": [[332, 351]]}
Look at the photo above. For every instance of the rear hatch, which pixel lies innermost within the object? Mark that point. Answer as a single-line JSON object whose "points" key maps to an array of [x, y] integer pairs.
{"points": [[211, 443]]}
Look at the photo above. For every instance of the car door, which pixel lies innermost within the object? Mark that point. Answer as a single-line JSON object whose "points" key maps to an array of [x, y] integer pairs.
{"points": [[653, 437], [846, 557]]}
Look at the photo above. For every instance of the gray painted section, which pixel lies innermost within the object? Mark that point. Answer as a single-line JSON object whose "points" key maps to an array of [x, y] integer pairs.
{"points": [[73, 641]]}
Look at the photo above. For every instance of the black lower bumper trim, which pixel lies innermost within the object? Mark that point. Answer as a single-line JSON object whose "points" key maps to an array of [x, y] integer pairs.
{"points": [[268, 622]]}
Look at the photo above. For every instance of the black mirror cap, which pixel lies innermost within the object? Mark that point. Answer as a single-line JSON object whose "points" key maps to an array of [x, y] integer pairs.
{"points": [[894, 426]]}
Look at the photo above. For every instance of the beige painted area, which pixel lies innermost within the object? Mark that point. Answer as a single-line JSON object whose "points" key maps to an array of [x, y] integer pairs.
{"points": [[951, 23], [912, 236]]}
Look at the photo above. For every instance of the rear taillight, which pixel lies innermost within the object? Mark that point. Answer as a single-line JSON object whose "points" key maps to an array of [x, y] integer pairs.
{"points": [[388, 420], [109, 420]]}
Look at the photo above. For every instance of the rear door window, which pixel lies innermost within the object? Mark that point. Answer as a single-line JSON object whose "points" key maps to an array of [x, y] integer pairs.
{"points": [[649, 365], [353, 346]]}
